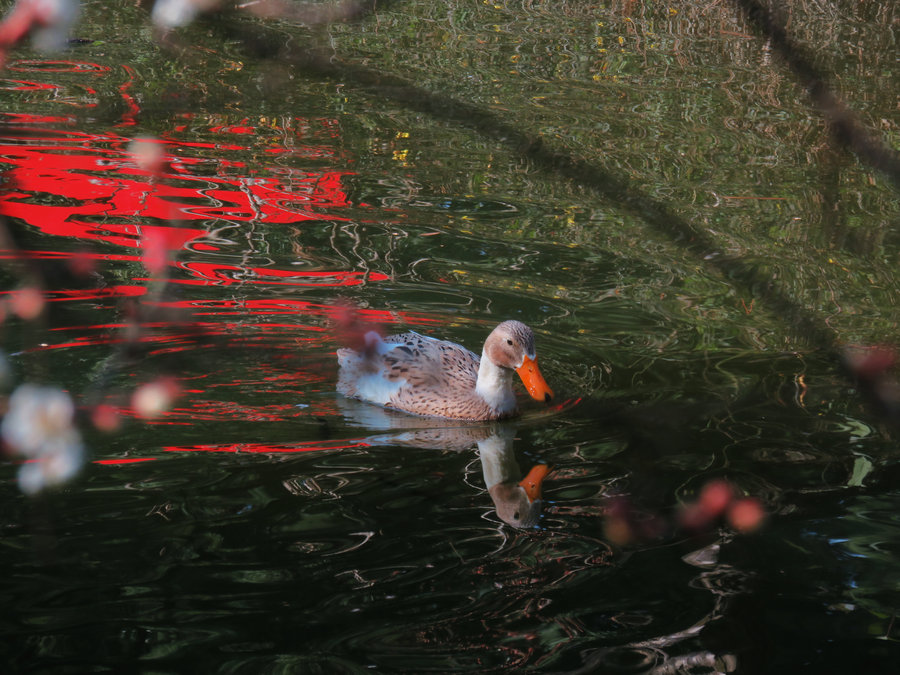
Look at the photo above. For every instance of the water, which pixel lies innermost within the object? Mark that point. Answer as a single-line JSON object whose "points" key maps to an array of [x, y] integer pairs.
{"points": [[690, 289]]}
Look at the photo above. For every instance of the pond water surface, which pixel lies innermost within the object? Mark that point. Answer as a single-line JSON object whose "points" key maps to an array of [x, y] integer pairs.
{"points": [[691, 245]]}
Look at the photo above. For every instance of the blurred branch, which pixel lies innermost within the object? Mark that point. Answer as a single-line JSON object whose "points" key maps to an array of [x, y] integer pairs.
{"points": [[845, 126]]}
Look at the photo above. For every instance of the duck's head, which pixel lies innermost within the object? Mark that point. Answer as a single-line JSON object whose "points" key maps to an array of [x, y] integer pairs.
{"points": [[519, 504], [511, 345]]}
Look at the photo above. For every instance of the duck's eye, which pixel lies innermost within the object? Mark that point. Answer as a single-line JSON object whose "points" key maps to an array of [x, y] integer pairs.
{"points": [[516, 515], [509, 342]]}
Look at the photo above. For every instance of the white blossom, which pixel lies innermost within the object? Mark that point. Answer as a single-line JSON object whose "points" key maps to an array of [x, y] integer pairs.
{"points": [[39, 426]]}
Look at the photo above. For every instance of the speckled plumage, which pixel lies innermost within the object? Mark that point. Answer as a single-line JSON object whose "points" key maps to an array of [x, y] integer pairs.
{"points": [[426, 376]]}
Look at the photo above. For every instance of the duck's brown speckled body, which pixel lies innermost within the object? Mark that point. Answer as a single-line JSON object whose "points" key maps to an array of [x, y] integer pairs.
{"points": [[426, 376]]}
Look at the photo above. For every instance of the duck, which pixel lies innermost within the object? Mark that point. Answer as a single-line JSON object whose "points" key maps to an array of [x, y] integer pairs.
{"points": [[422, 375]]}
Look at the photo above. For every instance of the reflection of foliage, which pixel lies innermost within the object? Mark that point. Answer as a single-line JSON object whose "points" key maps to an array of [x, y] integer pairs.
{"points": [[602, 88], [703, 219]]}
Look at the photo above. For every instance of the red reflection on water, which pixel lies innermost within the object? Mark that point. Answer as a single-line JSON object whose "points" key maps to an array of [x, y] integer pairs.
{"points": [[73, 256], [89, 186], [310, 446], [132, 110], [96, 194], [44, 66], [71, 67], [24, 85], [224, 275], [234, 129], [293, 306], [86, 187], [183, 337], [22, 119], [254, 448]]}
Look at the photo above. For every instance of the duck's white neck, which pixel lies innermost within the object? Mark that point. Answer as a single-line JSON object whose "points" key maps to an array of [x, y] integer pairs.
{"points": [[494, 385], [498, 463]]}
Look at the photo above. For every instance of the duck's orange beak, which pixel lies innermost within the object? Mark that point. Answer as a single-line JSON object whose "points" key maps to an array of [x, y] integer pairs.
{"points": [[534, 381], [532, 482]]}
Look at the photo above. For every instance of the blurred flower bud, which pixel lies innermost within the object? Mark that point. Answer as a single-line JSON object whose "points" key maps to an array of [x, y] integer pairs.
{"points": [[152, 399], [155, 251], [56, 20], [746, 515], [47, 22], [106, 417], [148, 154], [27, 303], [169, 14]]}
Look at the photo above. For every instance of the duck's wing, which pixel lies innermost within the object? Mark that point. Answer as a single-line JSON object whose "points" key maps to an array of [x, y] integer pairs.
{"points": [[440, 379], [414, 373], [425, 363]]}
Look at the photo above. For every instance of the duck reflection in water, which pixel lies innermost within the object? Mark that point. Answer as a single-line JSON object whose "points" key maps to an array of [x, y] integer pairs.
{"points": [[516, 495], [517, 500]]}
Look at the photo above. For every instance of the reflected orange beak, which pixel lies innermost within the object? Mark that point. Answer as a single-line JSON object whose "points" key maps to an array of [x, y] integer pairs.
{"points": [[534, 381], [532, 482]]}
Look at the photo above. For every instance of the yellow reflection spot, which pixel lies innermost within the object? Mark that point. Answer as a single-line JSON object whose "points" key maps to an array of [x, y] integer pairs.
{"points": [[672, 11], [801, 390], [621, 40], [402, 134], [400, 155], [599, 40]]}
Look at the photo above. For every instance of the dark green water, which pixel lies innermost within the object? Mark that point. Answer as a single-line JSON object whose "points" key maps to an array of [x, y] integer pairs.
{"points": [[692, 247]]}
